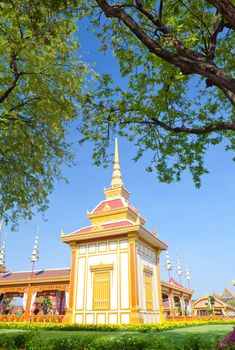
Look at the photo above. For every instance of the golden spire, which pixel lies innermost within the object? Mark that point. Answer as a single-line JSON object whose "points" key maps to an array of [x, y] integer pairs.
{"points": [[117, 176]]}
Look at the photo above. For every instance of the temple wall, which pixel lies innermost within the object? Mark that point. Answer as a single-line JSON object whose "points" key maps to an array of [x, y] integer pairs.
{"points": [[146, 258], [110, 254]]}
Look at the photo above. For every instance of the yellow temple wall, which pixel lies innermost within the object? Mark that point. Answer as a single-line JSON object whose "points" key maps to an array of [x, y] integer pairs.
{"points": [[146, 259], [112, 255]]}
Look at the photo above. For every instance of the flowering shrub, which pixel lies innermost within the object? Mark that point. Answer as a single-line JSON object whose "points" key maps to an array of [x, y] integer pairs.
{"points": [[145, 328], [229, 340]]}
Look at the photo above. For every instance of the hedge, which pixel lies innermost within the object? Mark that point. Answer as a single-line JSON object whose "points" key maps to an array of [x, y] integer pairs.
{"points": [[32, 340]]}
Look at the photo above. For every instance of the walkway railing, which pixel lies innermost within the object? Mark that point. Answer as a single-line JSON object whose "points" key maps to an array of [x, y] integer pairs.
{"points": [[198, 318]]}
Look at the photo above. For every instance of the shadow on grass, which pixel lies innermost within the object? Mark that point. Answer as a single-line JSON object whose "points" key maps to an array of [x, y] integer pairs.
{"points": [[178, 336], [210, 333]]}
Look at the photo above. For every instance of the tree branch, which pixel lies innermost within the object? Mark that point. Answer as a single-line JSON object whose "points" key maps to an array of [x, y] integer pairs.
{"points": [[213, 39], [227, 10], [219, 126], [16, 74], [186, 60], [11, 87]]}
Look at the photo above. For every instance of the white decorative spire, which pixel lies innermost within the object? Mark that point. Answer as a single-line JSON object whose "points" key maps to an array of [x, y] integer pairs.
{"points": [[34, 257], [1, 225], [168, 265], [117, 176], [3, 254], [187, 275], [178, 268]]}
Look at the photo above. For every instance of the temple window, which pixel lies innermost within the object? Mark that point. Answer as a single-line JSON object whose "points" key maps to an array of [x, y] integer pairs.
{"points": [[101, 286], [101, 291], [148, 285]]}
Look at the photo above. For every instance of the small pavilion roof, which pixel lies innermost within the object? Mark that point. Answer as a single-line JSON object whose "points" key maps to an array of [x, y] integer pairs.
{"points": [[202, 303], [227, 294], [39, 274]]}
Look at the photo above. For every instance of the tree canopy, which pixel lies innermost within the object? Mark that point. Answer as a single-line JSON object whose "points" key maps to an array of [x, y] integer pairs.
{"points": [[177, 59], [40, 84]]}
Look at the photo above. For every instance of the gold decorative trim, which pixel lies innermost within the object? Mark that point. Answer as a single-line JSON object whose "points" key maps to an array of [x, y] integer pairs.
{"points": [[107, 207], [148, 269], [101, 267]]}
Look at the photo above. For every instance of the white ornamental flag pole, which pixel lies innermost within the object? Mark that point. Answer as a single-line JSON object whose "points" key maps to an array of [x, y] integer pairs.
{"points": [[34, 257], [187, 275], [168, 265], [178, 268], [1, 225], [2, 256]]}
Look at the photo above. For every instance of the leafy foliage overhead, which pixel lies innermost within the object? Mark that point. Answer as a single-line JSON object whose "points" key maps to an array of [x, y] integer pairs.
{"points": [[40, 86], [177, 61]]}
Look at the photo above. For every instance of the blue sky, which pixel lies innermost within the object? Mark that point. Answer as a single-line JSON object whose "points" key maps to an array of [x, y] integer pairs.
{"points": [[199, 223]]}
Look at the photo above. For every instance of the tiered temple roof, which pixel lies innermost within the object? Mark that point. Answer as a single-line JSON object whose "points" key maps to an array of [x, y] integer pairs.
{"points": [[114, 213]]}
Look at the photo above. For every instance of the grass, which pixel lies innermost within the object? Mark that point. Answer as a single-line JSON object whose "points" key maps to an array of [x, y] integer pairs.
{"points": [[10, 331], [177, 335], [211, 332]]}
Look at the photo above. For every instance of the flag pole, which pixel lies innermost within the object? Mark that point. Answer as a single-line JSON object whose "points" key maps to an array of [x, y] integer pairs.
{"points": [[187, 275], [168, 265], [178, 268]]}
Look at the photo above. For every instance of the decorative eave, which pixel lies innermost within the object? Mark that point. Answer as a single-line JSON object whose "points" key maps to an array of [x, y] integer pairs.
{"points": [[100, 233], [112, 232], [106, 213], [116, 191], [150, 238], [206, 307]]}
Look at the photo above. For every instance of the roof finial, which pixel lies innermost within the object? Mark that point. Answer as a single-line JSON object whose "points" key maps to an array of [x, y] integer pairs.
{"points": [[117, 176]]}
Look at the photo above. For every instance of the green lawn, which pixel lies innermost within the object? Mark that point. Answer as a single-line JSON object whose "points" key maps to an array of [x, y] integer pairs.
{"points": [[176, 335], [10, 331], [212, 332]]}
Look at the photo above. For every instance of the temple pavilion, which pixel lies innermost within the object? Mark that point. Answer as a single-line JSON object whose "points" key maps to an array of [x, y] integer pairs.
{"points": [[114, 277]]}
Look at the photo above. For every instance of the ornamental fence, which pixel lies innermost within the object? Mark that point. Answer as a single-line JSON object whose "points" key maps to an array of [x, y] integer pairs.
{"points": [[59, 318], [199, 318], [32, 318]]}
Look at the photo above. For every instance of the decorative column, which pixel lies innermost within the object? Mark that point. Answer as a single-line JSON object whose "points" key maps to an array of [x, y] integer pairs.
{"points": [[134, 317], [68, 318], [182, 305], [191, 306], [28, 303], [172, 303], [159, 289]]}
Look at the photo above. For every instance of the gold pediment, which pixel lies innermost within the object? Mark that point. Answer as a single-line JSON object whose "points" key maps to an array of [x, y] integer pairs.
{"points": [[106, 207]]}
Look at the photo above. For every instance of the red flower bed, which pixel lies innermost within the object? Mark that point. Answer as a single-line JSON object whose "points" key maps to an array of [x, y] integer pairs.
{"points": [[228, 340]]}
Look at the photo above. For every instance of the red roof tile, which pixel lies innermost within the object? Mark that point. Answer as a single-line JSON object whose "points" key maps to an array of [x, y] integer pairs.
{"points": [[117, 224], [113, 204], [111, 225], [172, 281], [41, 274]]}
